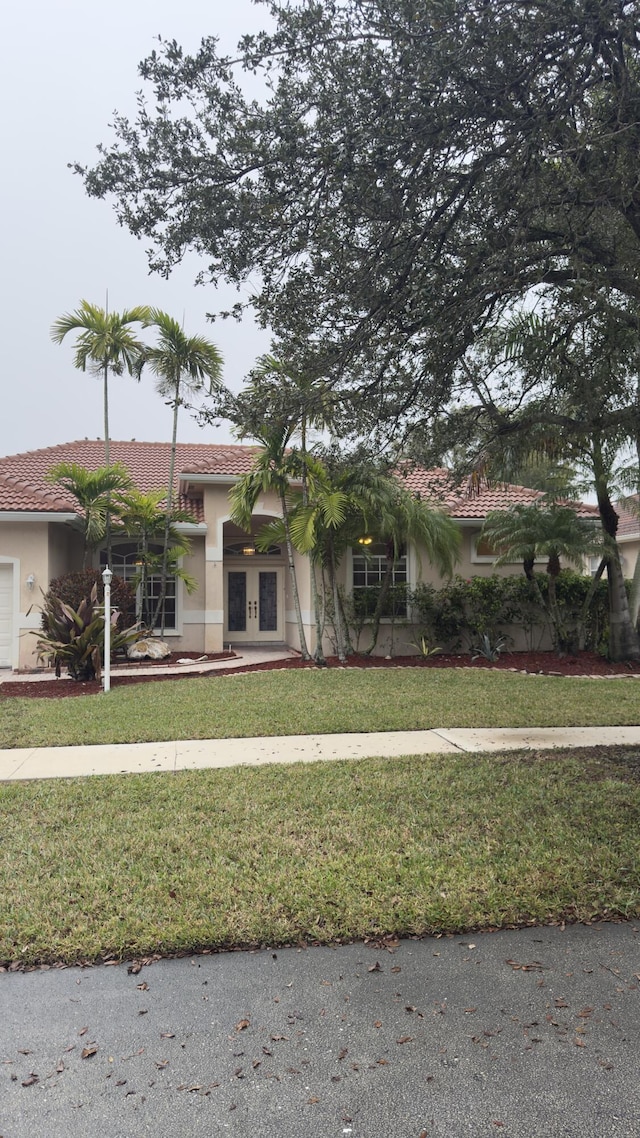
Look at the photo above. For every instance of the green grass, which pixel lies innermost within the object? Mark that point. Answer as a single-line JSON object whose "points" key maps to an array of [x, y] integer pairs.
{"points": [[137, 864], [316, 701]]}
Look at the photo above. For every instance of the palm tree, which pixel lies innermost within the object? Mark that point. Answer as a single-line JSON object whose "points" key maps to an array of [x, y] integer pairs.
{"points": [[92, 490], [143, 518], [272, 471], [555, 532], [278, 390], [357, 499], [393, 516], [106, 343], [181, 364]]}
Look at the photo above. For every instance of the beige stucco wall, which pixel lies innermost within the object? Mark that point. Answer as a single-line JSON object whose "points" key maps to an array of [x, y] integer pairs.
{"points": [[34, 549]]}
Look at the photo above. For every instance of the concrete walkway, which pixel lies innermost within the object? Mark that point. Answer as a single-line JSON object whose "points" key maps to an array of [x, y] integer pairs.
{"points": [[135, 758]]}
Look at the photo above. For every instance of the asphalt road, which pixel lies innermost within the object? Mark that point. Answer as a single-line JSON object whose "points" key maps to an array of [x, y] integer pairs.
{"points": [[525, 1034]]}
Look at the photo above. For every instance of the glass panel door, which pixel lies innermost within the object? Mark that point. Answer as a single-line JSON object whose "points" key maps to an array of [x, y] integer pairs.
{"points": [[237, 602], [268, 601], [254, 605]]}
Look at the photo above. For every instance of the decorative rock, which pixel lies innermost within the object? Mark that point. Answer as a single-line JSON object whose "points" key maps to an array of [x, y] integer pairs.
{"points": [[148, 649]]}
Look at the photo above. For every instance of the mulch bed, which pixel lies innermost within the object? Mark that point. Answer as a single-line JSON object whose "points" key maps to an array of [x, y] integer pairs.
{"points": [[536, 663]]}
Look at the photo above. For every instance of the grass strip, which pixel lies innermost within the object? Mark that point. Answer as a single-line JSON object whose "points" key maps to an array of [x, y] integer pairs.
{"points": [[318, 702], [136, 864]]}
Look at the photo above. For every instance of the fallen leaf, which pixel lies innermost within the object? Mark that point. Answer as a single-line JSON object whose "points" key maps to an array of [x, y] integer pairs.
{"points": [[278, 1039], [470, 1011], [87, 1052], [59, 1067], [134, 968], [405, 1039], [162, 1064], [343, 1053], [409, 1008], [378, 1023], [533, 966], [24, 1051], [143, 987], [121, 1083], [585, 1013], [374, 967], [313, 1099], [83, 1031], [560, 1003], [579, 1043], [143, 1011], [33, 1078], [396, 968], [242, 1024], [167, 1035]]}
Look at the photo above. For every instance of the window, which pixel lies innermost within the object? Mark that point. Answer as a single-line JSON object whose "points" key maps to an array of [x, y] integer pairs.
{"points": [[369, 571], [125, 563]]}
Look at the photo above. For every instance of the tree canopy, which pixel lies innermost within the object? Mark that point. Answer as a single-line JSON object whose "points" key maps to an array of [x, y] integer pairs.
{"points": [[413, 170]]}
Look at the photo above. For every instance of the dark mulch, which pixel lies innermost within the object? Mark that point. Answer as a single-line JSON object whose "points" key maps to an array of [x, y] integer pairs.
{"points": [[540, 663]]}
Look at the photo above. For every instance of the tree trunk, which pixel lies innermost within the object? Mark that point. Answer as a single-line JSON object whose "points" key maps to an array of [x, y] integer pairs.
{"points": [[304, 651], [107, 461], [623, 638], [383, 593], [582, 626], [160, 604], [318, 654]]}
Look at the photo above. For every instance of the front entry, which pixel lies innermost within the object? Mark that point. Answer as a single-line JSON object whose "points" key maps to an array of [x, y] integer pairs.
{"points": [[254, 604]]}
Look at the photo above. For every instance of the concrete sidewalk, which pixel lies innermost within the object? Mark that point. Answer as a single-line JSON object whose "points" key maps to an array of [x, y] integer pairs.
{"points": [[135, 758]]}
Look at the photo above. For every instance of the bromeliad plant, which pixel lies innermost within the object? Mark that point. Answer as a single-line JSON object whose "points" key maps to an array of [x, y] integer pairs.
{"points": [[75, 638]]}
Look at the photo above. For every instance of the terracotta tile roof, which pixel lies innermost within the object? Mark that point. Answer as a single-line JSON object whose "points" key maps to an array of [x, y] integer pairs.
{"points": [[147, 463], [461, 500], [20, 496], [23, 484], [629, 522]]}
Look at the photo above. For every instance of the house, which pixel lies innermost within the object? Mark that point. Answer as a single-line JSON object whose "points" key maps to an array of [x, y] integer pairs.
{"points": [[243, 596]]}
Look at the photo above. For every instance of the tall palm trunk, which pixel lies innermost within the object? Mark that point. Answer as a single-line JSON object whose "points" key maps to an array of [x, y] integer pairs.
{"points": [[107, 459], [161, 602], [318, 654], [304, 651], [623, 638]]}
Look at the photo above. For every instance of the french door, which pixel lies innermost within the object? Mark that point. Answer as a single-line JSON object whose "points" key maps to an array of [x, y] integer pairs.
{"points": [[253, 605]]}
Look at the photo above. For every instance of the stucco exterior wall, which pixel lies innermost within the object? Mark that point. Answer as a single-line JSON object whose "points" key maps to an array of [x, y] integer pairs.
{"points": [[25, 545]]}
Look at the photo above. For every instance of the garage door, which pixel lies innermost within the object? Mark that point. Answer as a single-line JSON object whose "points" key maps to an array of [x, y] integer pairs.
{"points": [[6, 615]]}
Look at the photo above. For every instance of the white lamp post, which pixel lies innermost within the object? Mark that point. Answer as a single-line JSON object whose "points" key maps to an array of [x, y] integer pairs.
{"points": [[106, 581]]}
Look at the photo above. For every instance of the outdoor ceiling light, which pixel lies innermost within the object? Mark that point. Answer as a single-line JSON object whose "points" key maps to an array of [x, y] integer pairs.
{"points": [[366, 540], [248, 550]]}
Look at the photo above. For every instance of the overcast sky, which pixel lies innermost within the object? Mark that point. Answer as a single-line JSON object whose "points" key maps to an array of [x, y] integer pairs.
{"points": [[66, 67]]}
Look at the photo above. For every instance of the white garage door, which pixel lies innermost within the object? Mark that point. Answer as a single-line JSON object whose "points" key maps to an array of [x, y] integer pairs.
{"points": [[6, 615]]}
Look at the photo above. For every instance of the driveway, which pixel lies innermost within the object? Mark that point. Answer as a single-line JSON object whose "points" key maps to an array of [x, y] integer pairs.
{"points": [[527, 1033]]}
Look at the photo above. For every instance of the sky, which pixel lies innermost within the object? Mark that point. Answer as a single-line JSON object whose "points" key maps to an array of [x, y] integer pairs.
{"points": [[67, 66]]}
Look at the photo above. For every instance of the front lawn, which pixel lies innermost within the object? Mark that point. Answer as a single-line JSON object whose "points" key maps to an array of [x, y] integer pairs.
{"points": [[318, 702], [137, 864]]}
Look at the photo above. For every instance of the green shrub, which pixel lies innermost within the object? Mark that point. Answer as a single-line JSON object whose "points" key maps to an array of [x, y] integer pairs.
{"points": [[465, 611], [74, 588], [74, 638]]}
